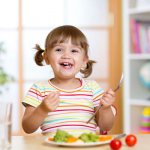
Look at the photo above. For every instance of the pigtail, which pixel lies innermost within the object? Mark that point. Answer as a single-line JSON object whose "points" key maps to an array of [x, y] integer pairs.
{"points": [[88, 70], [39, 55]]}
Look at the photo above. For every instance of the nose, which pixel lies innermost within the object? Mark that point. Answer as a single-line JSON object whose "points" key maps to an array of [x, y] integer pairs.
{"points": [[66, 54]]}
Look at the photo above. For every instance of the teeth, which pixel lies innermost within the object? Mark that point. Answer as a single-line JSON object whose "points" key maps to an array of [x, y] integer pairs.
{"points": [[66, 64]]}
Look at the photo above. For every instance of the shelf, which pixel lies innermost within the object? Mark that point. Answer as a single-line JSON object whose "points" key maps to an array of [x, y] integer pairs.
{"points": [[140, 13], [136, 95], [140, 56], [143, 10], [140, 102]]}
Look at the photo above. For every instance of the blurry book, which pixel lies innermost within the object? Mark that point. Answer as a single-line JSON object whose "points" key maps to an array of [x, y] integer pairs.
{"points": [[140, 36], [135, 37]]}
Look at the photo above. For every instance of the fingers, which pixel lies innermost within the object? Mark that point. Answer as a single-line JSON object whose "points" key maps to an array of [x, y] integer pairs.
{"points": [[105, 103], [53, 97], [108, 98], [55, 100], [52, 101], [110, 92]]}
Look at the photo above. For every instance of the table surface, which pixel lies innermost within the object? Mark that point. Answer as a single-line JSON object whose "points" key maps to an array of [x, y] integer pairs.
{"points": [[38, 142]]}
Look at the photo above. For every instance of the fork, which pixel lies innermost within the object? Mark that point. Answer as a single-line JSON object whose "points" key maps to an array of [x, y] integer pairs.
{"points": [[120, 83], [115, 90], [120, 136]]}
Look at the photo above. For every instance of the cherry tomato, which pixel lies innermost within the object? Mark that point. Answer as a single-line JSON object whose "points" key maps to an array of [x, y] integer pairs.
{"points": [[131, 140], [115, 144]]}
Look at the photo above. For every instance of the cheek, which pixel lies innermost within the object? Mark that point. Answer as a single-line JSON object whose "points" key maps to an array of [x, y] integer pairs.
{"points": [[84, 61], [82, 58], [52, 58], [81, 64], [79, 61], [52, 61]]}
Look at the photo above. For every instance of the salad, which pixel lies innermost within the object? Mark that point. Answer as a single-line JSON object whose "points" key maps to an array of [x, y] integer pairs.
{"points": [[65, 137]]}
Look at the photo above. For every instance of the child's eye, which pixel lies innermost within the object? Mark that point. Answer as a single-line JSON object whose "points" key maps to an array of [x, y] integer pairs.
{"points": [[74, 51], [58, 50]]}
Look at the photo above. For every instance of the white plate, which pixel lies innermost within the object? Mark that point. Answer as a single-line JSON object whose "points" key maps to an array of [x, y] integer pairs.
{"points": [[76, 144]]}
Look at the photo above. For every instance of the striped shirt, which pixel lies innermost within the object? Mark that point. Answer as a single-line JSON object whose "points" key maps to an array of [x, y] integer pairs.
{"points": [[75, 107]]}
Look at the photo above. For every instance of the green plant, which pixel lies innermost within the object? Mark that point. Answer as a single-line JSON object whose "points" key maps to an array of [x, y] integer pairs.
{"points": [[4, 77]]}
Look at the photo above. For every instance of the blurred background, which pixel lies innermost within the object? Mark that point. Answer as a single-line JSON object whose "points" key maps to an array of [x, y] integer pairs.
{"points": [[24, 23]]}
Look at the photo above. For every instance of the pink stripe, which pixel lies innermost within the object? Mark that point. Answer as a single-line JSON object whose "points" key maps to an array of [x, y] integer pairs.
{"points": [[68, 126], [76, 97], [36, 93], [74, 110], [75, 94], [33, 95]]}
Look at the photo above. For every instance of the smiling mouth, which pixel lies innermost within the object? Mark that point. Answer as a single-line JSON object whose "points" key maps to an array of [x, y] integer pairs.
{"points": [[66, 65]]}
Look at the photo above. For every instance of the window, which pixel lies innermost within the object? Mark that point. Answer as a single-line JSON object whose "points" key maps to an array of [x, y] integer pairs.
{"points": [[30, 22]]}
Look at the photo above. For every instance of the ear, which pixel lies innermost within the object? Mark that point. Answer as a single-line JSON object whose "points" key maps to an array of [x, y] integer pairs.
{"points": [[46, 58]]}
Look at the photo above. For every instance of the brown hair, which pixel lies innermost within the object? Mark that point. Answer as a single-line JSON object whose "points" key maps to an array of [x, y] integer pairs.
{"points": [[60, 35]]}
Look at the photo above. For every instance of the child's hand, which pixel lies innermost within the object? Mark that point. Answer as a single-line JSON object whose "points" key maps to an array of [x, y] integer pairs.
{"points": [[108, 98], [51, 102]]}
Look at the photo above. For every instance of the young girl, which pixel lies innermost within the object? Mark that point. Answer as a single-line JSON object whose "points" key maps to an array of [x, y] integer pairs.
{"points": [[65, 101]]}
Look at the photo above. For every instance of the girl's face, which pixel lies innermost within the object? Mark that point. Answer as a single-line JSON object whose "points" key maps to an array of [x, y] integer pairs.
{"points": [[66, 59]]}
